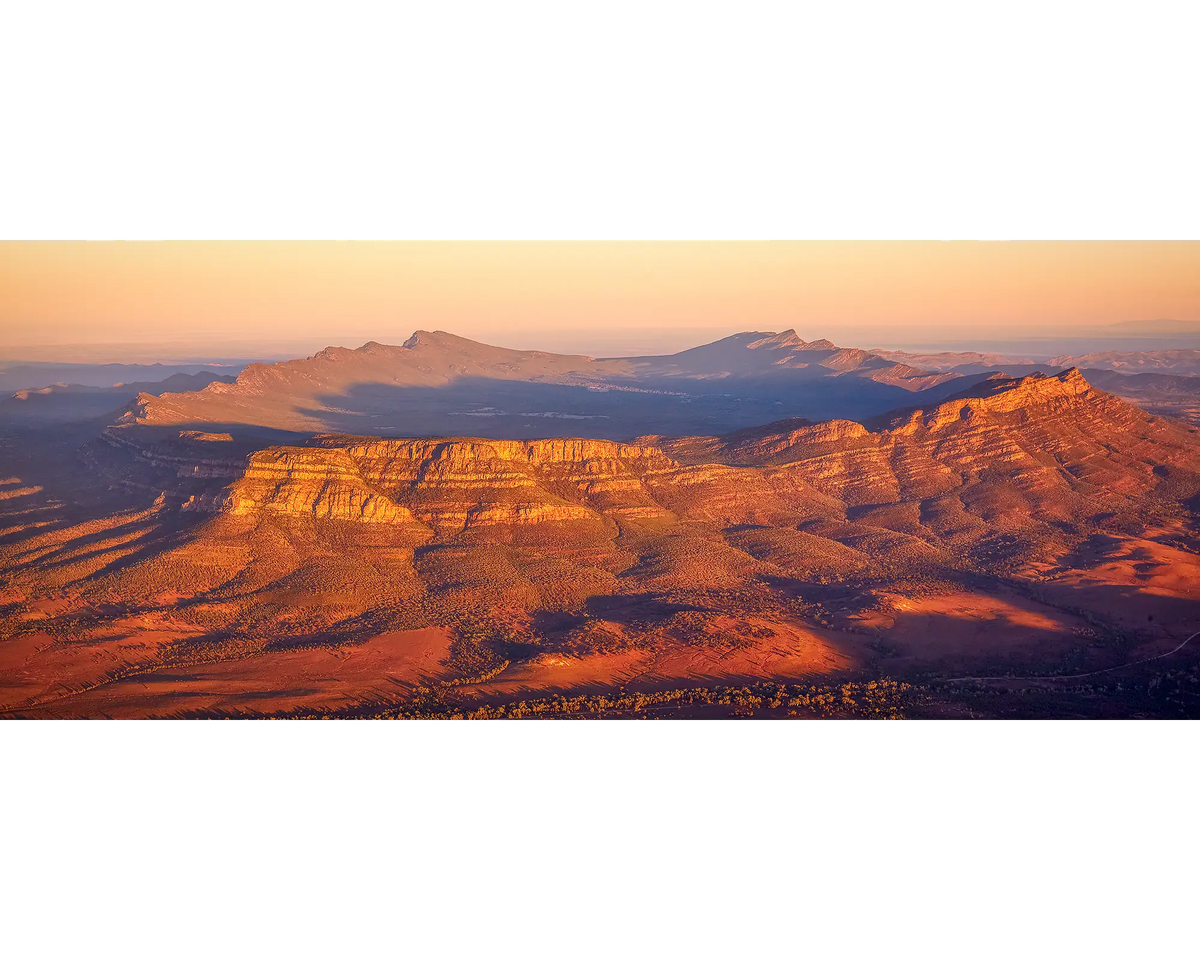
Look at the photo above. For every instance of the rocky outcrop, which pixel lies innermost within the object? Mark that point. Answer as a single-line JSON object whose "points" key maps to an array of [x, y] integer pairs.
{"points": [[188, 454], [519, 513], [449, 484], [322, 484], [1033, 396], [1048, 438], [540, 453], [1037, 446], [205, 503]]}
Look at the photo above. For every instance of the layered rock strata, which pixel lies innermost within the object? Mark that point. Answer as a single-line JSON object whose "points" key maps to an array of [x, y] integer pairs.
{"points": [[1040, 446]]}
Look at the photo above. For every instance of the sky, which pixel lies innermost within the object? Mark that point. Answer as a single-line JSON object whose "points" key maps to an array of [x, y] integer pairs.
{"points": [[174, 300]]}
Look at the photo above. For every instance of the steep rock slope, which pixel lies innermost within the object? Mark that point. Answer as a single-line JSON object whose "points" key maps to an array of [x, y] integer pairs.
{"points": [[1007, 456], [1050, 443], [1034, 525], [452, 485], [323, 484]]}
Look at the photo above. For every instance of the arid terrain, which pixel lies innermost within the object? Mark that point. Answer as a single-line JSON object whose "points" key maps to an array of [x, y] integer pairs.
{"points": [[761, 527]]}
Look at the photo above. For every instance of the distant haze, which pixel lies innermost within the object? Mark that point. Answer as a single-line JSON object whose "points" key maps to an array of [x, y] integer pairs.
{"points": [[141, 301]]}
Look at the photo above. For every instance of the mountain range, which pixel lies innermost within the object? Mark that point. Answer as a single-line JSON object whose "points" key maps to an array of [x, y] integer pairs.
{"points": [[67, 402], [437, 383], [856, 537], [36, 375]]}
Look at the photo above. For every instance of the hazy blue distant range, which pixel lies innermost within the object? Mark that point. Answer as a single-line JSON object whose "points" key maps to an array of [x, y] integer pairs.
{"points": [[1044, 348], [20, 375]]}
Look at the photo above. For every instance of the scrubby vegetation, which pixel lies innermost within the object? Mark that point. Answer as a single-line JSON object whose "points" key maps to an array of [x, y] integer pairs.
{"points": [[1010, 544], [883, 699]]}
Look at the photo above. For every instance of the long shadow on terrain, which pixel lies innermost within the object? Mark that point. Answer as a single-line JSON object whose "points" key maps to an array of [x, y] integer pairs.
{"points": [[502, 409], [151, 536], [1096, 547], [634, 609], [50, 558]]}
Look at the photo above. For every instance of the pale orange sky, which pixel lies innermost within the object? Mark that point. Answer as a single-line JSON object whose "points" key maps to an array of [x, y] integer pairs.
{"points": [[589, 297]]}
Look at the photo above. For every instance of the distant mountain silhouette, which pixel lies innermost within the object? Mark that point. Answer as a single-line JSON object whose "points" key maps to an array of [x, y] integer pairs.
{"points": [[35, 375], [1186, 362], [70, 402]]}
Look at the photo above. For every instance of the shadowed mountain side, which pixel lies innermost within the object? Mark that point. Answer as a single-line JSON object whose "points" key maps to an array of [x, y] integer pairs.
{"points": [[1157, 385], [1036, 526], [440, 384], [34, 376], [68, 402], [172, 463], [1009, 369], [1163, 394], [1049, 446], [520, 410], [782, 354]]}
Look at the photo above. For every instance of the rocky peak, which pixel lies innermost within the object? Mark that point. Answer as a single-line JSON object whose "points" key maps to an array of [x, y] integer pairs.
{"points": [[329, 353], [436, 338], [1003, 395], [774, 341]]}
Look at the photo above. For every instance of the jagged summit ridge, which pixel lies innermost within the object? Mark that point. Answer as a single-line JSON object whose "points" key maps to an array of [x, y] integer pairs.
{"points": [[1001, 394], [773, 341], [1056, 439]]}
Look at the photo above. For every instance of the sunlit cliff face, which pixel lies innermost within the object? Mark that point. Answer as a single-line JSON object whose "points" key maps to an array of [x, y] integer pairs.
{"points": [[998, 431], [170, 567], [440, 526]]}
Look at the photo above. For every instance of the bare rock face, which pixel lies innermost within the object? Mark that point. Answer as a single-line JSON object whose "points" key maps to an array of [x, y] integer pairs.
{"points": [[1039, 449], [323, 484], [450, 484], [204, 503], [492, 514], [469, 483], [1053, 441], [1031, 397]]}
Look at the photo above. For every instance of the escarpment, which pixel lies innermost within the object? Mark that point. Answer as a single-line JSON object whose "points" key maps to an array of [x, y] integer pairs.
{"points": [[450, 484], [185, 453], [1045, 437], [1048, 448], [323, 484]]}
